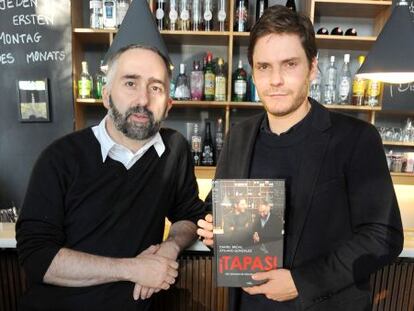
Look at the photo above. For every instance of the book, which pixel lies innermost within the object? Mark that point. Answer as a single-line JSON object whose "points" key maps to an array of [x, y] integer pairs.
{"points": [[248, 227]]}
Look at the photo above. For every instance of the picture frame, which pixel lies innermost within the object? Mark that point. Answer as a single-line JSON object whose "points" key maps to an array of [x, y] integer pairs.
{"points": [[33, 100]]}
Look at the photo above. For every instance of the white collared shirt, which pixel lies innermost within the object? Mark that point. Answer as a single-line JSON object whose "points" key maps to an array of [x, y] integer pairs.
{"points": [[119, 152]]}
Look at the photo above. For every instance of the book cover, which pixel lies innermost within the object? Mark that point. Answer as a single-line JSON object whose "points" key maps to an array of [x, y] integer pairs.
{"points": [[248, 219]]}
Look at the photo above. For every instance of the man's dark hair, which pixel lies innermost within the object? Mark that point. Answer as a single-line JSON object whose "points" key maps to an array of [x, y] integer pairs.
{"points": [[279, 19]]}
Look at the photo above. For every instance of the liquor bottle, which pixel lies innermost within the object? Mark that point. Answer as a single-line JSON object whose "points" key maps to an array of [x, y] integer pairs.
{"points": [[254, 96], [373, 93], [240, 83], [358, 86], [85, 82], [208, 15], [196, 81], [207, 156], [100, 81], [173, 15], [261, 5], [219, 138], [221, 14], [337, 31], [345, 83], [182, 89], [291, 5], [241, 16], [351, 32], [184, 15], [209, 78], [315, 91], [121, 10], [330, 83], [160, 14], [196, 18], [96, 20], [196, 145], [109, 14], [221, 82]]}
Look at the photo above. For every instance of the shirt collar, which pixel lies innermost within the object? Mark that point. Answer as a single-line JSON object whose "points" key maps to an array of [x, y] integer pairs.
{"points": [[108, 144]]}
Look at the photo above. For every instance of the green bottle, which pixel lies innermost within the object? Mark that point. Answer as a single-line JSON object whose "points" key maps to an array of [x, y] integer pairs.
{"points": [[240, 84], [100, 80], [85, 82]]}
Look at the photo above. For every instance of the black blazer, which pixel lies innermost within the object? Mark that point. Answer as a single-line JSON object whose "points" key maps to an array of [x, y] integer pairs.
{"points": [[347, 224]]}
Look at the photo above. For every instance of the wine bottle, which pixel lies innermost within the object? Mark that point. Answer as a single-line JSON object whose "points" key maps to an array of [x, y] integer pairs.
{"points": [[291, 5], [240, 83], [207, 156], [261, 5], [351, 32], [337, 31]]}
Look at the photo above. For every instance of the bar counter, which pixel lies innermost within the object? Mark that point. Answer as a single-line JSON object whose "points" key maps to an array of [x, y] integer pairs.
{"points": [[393, 286]]}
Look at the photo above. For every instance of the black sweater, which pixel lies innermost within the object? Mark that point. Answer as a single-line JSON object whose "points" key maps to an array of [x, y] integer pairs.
{"points": [[75, 200]]}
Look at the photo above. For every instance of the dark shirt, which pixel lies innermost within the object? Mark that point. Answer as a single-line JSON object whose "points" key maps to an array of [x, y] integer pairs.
{"points": [[277, 157], [75, 200]]}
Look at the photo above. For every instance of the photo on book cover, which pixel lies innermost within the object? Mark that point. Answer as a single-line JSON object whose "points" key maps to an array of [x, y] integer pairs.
{"points": [[248, 229]]}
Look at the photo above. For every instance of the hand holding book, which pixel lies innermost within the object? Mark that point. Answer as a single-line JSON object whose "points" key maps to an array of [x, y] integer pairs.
{"points": [[279, 285]]}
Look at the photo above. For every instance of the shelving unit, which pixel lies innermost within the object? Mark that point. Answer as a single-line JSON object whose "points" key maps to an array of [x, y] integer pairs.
{"points": [[378, 11]]}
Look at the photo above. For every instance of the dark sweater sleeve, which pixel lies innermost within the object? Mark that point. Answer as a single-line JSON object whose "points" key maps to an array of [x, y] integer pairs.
{"points": [[187, 204], [39, 230], [376, 223]]}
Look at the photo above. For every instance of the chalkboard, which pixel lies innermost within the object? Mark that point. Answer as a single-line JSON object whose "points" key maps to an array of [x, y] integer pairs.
{"points": [[398, 97], [35, 44]]}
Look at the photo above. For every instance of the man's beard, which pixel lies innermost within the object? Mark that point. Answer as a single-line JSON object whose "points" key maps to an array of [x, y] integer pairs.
{"points": [[134, 130]]}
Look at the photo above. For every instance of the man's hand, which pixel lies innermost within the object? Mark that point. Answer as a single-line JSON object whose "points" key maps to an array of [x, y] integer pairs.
{"points": [[168, 249], [152, 270], [256, 237], [279, 285], [205, 230]]}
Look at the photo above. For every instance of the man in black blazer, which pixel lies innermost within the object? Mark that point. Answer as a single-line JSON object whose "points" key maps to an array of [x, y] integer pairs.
{"points": [[342, 216]]}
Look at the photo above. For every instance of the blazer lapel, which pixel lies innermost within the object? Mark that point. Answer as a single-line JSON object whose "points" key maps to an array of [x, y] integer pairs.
{"points": [[310, 165]]}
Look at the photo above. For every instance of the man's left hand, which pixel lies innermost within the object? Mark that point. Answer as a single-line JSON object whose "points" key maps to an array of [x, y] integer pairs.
{"points": [[279, 286], [168, 249]]}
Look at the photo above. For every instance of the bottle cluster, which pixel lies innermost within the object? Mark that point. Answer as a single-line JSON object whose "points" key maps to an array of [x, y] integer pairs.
{"points": [[186, 15], [107, 13], [206, 152], [208, 81], [340, 87], [88, 86]]}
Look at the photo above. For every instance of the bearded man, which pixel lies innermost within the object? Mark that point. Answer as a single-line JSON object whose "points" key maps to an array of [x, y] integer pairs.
{"points": [[90, 231]]}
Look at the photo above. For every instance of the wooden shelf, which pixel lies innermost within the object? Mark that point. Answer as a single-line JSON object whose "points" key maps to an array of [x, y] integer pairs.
{"points": [[398, 143], [196, 37], [89, 101], [351, 8], [403, 178], [199, 103], [245, 105], [90, 36], [205, 172], [353, 108], [345, 42]]}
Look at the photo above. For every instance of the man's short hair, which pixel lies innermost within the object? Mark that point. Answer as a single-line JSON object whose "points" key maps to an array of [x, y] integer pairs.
{"points": [[113, 60], [279, 19]]}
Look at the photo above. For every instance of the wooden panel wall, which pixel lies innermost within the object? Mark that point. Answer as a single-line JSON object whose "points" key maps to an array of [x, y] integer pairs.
{"points": [[393, 286], [12, 280]]}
